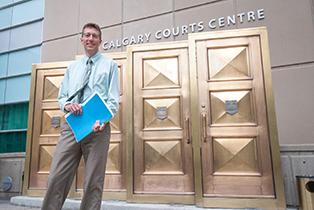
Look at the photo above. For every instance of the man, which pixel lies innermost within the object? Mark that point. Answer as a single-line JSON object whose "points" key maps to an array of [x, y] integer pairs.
{"points": [[93, 72]]}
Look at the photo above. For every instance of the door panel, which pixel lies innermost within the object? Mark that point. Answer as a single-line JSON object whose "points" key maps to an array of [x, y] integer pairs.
{"points": [[116, 160], [47, 121], [236, 158], [46, 131], [162, 153]]}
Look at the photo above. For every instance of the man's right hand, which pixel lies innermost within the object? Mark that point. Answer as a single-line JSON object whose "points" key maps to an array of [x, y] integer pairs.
{"points": [[74, 108]]}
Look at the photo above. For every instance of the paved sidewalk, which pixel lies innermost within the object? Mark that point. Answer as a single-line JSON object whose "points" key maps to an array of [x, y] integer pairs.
{"points": [[5, 205], [22, 201], [71, 204]]}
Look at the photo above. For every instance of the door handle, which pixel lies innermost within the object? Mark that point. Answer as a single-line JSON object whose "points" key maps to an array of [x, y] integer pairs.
{"points": [[187, 130], [204, 127]]}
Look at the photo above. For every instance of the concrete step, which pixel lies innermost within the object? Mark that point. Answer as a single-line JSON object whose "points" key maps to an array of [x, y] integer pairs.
{"points": [[71, 204]]}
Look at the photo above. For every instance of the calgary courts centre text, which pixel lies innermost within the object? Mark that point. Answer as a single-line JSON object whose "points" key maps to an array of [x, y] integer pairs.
{"points": [[214, 23]]}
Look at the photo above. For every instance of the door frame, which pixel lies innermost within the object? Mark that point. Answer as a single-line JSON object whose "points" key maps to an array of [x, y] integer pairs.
{"points": [[36, 68], [266, 203]]}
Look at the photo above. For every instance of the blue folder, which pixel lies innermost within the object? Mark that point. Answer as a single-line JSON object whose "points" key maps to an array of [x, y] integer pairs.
{"points": [[94, 108]]}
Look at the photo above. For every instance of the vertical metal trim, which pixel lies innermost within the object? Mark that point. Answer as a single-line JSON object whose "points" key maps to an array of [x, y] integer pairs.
{"points": [[25, 183], [272, 123], [195, 121], [129, 124]]}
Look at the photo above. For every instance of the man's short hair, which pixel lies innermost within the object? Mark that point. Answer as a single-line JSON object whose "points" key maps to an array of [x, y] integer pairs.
{"points": [[92, 25]]}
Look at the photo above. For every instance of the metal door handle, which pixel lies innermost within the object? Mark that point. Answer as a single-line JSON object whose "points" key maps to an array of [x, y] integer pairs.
{"points": [[204, 127], [187, 130]]}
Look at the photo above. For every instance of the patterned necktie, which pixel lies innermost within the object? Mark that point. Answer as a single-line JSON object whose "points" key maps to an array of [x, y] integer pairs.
{"points": [[88, 70]]}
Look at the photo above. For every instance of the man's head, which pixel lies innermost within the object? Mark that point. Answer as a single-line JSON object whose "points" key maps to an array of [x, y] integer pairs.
{"points": [[91, 38]]}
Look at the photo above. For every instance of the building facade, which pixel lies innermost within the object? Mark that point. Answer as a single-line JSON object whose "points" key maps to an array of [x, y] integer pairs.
{"points": [[53, 35], [21, 40]]}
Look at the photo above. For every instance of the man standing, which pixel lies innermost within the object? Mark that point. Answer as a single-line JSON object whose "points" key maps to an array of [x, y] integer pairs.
{"points": [[93, 72]]}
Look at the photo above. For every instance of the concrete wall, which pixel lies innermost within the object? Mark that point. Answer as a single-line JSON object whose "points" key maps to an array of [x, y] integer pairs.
{"points": [[291, 37], [12, 164], [296, 161]]}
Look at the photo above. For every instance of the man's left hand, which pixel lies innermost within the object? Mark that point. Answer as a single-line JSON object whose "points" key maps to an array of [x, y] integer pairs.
{"points": [[97, 127]]}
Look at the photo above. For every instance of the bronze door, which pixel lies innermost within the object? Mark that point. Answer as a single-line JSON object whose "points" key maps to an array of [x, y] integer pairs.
{"points": [[44, 123], [162, 145], [236, 159], [235, 147], [45, 118], [114, 186], [116, 161]]}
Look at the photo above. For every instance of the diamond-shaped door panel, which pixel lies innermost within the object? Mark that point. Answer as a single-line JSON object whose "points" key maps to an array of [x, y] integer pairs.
{"points": [[115, 123], [113, 165], [228, 63], [159, 73], [162, 113], [235, 156], [162, 157], [51, 121], [45, 158], [231, 107], [51, 87], [114, 159]]}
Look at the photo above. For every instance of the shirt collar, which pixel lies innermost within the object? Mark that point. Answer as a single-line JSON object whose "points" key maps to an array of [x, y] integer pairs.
{"points": [[94, 58]]}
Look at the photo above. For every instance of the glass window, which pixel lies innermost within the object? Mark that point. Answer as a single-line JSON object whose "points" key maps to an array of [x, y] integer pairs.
{"points": [[17, 89], [26, 35], [5, 38], [13, 116], [21, 61], [5, 17], [5, 2], [12, 142], [2, 90], [3, 64], [27, 11]]}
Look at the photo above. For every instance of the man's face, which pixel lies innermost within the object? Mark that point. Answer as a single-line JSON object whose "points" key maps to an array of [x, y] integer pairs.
{"points": [[90, 40]]}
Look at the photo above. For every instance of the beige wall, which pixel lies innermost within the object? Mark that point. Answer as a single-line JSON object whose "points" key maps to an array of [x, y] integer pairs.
{"points": [[290, 25]]}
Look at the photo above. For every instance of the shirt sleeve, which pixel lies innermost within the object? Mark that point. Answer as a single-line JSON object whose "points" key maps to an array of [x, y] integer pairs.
{"points": [[63, 91], [113, 89]]}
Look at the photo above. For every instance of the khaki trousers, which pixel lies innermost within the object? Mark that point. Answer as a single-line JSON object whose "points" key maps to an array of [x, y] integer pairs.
{"points": [[67, 156]]}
